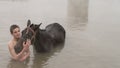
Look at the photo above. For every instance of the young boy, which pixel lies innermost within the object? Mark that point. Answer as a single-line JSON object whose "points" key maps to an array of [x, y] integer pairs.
{"points": [[24, 54]]}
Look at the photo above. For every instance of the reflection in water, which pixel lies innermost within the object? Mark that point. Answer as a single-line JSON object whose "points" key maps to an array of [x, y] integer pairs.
{"points": [[77, 14], [17, 64], [78, 8], [41, 59]]}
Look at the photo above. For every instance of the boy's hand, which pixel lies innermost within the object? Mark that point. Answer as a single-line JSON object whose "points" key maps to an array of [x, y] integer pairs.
{"points": [[26, 44]]}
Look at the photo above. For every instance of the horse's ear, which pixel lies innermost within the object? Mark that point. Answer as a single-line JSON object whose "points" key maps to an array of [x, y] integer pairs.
{"points": [[28, 23], [39, 25]]}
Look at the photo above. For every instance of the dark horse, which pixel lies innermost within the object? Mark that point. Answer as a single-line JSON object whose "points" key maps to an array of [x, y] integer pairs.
{"points": [[43, 40]]}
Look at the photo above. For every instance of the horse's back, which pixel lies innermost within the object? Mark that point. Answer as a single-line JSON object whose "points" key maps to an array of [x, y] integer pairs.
{"points": [[56, 31]]}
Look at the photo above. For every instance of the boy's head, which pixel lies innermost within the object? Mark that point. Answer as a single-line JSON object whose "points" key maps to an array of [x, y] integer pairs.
{"points": [[15, 31]]}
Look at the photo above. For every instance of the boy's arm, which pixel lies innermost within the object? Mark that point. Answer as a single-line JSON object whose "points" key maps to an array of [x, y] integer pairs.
{"points": [[13, 53], [24, 57]]}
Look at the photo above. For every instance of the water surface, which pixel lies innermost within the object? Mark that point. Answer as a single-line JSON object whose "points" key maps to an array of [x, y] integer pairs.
{"points": [[92, 32]]}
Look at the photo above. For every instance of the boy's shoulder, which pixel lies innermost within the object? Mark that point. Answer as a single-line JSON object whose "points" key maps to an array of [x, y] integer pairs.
{"points": [[10, 43]]}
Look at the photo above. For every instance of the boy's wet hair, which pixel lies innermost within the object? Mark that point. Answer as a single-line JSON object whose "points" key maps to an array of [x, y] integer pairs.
{"points": [[12, 27]]}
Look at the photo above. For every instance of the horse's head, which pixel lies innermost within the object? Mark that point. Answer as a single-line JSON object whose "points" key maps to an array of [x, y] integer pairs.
{"points": [[30, 31]]}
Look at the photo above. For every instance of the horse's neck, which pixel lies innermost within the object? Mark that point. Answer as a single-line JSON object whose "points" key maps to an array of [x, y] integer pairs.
{"points": [[41, 32]]}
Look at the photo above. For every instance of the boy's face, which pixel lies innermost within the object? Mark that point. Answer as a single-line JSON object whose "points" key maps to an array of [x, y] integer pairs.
{"points": [[16, 33]]}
